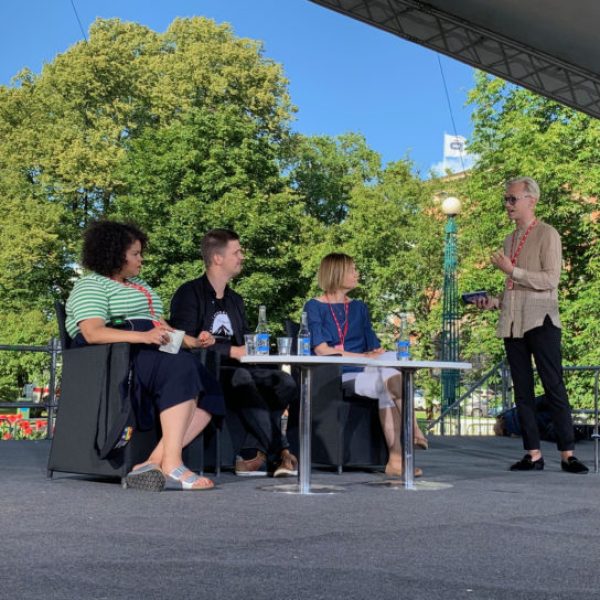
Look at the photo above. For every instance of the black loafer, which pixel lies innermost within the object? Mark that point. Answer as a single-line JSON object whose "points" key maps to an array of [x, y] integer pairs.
{"points": [[526, 464], [573, 465]]}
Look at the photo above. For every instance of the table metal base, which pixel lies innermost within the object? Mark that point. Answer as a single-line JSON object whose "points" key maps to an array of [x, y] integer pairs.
{"points": [[294, 488], [417, 486]]}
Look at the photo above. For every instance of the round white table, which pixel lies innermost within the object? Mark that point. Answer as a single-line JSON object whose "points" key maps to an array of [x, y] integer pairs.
{"points": [[306, 363]]}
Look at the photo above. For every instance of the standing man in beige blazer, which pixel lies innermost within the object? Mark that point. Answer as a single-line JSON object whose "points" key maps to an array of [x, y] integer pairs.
{"points": [[530, 324]]}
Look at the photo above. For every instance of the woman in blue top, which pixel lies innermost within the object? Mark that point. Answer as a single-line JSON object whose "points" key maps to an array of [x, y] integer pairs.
{"points": [[340, 325], [174, 386]]}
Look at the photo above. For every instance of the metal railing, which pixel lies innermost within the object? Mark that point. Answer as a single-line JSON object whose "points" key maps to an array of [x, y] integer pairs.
{"points": [[53, 349], [475, 411]]}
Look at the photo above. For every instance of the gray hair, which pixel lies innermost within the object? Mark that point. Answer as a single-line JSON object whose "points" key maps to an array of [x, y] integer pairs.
{"points": [[531, 185]]}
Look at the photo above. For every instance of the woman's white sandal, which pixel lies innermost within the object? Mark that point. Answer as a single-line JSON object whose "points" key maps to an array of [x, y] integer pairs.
{"points": [[175, 480], [148, 478]]}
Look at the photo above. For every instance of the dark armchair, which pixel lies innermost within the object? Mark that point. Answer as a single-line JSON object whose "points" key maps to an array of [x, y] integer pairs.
{"points": [[346, 431], [91, 409]]}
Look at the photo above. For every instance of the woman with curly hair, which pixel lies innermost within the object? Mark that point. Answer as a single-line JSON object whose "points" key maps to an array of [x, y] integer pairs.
{"points": [[342, 326], [174, 385]]}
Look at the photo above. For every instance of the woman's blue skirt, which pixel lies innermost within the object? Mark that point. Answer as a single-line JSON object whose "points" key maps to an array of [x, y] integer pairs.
{"points": [[161, 380]]}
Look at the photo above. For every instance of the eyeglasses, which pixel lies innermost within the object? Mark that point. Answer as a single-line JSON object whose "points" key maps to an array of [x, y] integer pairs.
{"points": [[512, 200]]}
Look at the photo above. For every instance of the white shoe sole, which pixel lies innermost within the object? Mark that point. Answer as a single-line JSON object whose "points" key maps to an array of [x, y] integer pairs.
{"points": [[285, 473]]}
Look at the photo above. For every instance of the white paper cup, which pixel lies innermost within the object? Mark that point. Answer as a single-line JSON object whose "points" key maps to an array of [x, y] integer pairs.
{"points": [[176, 338]]}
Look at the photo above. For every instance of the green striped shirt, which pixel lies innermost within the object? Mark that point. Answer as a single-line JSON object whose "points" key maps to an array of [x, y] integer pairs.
{"points": [[96, 296]]}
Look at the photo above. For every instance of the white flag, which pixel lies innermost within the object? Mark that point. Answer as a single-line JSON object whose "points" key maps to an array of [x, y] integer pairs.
{"points": [[454, 146]]}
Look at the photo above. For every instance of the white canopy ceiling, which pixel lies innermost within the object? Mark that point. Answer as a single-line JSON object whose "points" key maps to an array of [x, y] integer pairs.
{"points": [[549, 46]]}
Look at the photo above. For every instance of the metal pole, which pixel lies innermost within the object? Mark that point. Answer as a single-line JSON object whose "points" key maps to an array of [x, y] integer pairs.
{"points": [[304, 464], [407, 435], [596, 435], [55, 348], [450, 318]]}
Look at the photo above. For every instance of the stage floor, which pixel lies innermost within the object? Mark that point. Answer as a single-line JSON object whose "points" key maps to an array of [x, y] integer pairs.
{"points": [[488, 534]]}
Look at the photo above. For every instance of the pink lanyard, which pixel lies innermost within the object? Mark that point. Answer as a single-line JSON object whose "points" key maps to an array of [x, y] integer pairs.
{"points": [[515, 253], [341, 334], [148, 295]]}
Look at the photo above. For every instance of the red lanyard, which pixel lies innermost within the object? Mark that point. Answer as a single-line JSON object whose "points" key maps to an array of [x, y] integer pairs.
{"points": [[146, 293], [510, 284], [515, 254], [341, 334]]}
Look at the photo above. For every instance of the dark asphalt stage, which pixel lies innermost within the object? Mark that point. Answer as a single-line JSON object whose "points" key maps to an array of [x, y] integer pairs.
{"points": [[493, 534]]}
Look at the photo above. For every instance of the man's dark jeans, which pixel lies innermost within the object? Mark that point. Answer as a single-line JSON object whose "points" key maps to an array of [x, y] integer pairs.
{"points": [[259, 396], [543, 343]]}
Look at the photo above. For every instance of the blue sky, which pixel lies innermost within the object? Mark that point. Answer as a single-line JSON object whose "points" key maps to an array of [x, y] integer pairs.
{"points": [[344, 75]]}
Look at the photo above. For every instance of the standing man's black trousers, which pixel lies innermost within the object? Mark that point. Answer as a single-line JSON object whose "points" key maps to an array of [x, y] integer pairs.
{"points": [[543, 344]]}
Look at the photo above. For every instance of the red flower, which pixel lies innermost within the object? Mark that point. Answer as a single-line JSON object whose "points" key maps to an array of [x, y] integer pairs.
{"points": [[7, 436], [25, 427], [13, 418], [40, 424]]}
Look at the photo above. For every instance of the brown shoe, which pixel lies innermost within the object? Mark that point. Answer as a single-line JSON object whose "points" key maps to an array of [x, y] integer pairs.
{"points": [[254, 467], [288, 466]]}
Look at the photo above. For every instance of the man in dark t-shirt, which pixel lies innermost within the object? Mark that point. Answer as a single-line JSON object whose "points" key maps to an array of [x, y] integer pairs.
{"points": [[258, 395]]}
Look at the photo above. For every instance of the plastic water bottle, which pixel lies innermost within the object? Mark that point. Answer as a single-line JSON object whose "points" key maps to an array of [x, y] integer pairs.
{"points": [[403, 343], [303, 337], [262, 332]]}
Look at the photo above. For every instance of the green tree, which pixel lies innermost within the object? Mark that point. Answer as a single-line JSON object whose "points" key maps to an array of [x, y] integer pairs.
{"points": [[324, 170], [519, 133], [67, 131], [70, 136], [188, 130]]}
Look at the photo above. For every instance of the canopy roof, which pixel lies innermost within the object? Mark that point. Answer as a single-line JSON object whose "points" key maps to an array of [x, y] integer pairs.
{"points": [[549, 46]]}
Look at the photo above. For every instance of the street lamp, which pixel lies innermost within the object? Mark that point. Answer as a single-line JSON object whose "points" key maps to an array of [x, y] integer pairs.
{"points": [[450, 318]]}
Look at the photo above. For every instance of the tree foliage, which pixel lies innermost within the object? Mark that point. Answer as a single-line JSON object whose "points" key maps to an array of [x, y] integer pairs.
{"points": [[325, 170], [189, 129], [207, 108], [519, 133]]}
